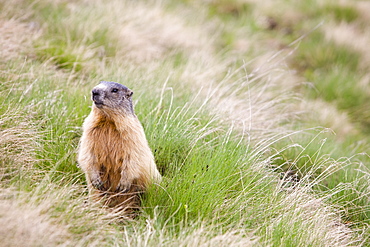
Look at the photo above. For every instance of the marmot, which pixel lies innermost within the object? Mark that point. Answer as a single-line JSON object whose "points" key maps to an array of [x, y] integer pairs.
{"points": [[113, 151]]}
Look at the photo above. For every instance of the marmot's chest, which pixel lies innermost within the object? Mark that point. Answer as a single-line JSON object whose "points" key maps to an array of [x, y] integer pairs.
{"points": [[110, 146]]}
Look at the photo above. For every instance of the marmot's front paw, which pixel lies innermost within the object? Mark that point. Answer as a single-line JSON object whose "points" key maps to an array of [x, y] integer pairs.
{"points": [[123, 186], [97, 183]]}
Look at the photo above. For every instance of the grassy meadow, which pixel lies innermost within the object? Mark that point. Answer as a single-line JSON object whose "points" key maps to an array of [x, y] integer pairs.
{"points": [[257, 112]]}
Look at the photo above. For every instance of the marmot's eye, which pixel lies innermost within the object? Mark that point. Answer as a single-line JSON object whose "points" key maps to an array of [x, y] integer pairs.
{"points": [[114, 90]]}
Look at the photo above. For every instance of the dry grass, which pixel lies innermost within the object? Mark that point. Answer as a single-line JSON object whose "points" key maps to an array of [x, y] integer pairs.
{"points": [[363, 7], [350, 35], [140, 32], [329, 116], [321, 221], [26, 224], [145, 35], [18, 144], [16, 38]]}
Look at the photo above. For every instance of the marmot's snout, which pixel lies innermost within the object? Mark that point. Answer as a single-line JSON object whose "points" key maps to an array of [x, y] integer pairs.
{"points": [[97, 97]]}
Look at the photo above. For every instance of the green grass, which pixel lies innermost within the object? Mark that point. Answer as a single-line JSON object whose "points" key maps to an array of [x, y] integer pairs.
{"points": [[341, 13], [316, 53], [335, 72], [329, 10]]}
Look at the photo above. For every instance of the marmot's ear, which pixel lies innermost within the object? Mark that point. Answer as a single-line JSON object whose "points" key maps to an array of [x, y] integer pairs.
{"points": [[129, 93]]}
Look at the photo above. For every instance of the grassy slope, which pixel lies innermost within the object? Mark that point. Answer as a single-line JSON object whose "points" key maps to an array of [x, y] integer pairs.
{"points": [[222, 110]]}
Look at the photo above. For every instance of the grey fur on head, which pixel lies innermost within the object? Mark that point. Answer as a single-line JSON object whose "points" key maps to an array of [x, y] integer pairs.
{"points": [[112, 96]]}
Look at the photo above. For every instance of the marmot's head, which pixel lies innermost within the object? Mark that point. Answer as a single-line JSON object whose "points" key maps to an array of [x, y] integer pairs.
{"points": [[112, 97]]}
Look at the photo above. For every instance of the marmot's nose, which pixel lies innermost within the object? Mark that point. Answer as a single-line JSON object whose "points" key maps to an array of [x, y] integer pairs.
{"points": [[95, 92], [96, 96]]}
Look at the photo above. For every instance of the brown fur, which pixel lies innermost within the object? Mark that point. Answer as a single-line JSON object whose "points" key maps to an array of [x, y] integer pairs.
{"points": [[115, 155]]}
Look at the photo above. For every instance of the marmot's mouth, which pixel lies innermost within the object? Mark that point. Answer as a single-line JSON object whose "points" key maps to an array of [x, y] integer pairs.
{"points": [[98, 104]]}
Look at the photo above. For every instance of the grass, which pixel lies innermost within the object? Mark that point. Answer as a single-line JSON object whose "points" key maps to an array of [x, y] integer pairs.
{"points": [[342, 13], [243, 163]]}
